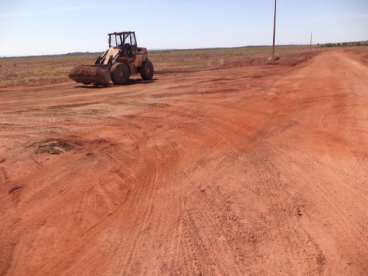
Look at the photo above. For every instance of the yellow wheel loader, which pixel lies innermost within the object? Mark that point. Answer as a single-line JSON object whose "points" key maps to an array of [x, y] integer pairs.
{"points": [[123, 59]]}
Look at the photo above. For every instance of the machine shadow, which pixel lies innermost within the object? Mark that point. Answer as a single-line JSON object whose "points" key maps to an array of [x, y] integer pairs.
{"points": [[131, 82]]}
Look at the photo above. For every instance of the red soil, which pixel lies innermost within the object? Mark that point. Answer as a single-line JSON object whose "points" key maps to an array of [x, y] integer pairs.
{"points": [[246, 171]]}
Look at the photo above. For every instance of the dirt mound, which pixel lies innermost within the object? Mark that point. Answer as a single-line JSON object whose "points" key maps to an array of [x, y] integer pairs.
{"points": [[15, 189], [56, 146]]}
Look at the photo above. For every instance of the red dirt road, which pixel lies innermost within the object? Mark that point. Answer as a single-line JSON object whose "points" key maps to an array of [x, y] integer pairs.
{"points": [[243, 171]]}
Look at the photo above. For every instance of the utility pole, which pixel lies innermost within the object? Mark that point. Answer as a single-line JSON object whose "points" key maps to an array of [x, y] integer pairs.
{"points": [[311, 41], [274, 32]]}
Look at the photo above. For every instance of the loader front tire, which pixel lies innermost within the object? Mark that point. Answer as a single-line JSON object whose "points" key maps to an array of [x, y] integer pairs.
{"points": [[120, 73], [147, 70]]}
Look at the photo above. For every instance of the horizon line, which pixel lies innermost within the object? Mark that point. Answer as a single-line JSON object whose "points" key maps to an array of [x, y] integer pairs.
{"points": [[181, 49]]}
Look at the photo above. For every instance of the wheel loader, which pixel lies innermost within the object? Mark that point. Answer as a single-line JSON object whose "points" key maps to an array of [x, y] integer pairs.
{"points": [[123, 59]]}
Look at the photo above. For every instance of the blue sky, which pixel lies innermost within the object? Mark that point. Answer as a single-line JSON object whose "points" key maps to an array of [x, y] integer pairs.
{"points": [[32, 27]]}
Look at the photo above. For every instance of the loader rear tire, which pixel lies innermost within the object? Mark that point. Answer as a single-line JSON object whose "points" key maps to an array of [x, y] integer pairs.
{"points": [[147, 70], [120, 73]]}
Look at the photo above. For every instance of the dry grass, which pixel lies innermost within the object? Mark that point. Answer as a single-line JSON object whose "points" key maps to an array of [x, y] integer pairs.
{"points": [[49, 70], [361, 52], [191, 60], [33, 71]]}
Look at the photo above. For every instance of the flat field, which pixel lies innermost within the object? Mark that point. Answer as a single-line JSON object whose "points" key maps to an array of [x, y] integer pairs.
{"points": [[36, 71], [223, 165]]}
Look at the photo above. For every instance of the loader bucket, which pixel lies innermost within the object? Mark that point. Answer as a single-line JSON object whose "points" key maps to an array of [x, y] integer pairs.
{"points": [[91, 74]]}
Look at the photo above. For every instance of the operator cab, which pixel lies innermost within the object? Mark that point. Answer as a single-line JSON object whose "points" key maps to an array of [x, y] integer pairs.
{"points": [[124, 41]]}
